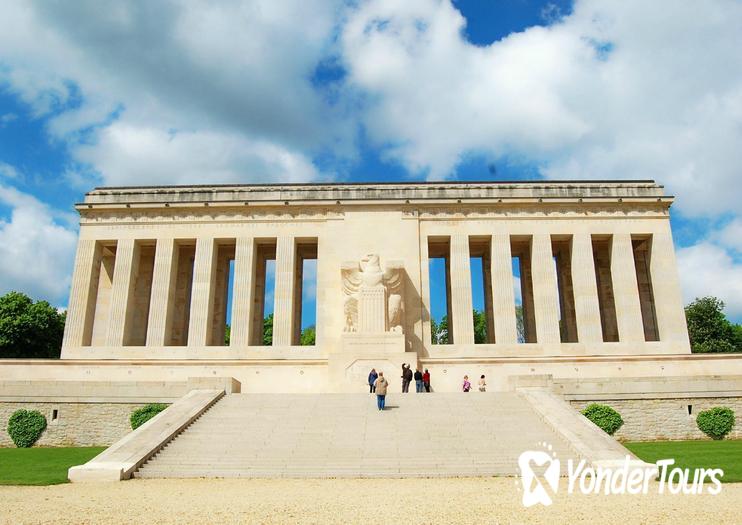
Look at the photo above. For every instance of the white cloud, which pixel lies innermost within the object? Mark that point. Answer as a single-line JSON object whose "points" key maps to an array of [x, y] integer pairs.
{"points": [[8, 171], [615, 90], [130, 155], [7, 118], [169, 92], [730, 235], [707, 269], [37, 249], [198, 72]]}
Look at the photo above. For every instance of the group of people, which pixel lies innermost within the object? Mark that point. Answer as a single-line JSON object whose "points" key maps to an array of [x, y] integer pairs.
{"points": [[422, 379], [466, 385], [378, 384]]}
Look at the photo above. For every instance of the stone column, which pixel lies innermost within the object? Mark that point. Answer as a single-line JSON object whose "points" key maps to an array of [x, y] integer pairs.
{"points": [[202, 293], [163, 290], [283, 304], [503, 297], [584, 284], [626, 290], [668, 298], [82, 300], [127, 256], [242, 292], [461, 300], [545, 291]]}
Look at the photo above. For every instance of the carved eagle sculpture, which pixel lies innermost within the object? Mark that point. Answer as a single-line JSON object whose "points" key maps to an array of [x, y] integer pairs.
{"points": [[368, 274]]}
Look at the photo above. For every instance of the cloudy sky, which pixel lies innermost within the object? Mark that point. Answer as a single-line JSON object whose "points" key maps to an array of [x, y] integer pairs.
{"points": [[159, 92]]}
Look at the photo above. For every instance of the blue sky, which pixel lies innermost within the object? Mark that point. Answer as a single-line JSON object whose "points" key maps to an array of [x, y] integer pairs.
{"points": [[263, 91]]}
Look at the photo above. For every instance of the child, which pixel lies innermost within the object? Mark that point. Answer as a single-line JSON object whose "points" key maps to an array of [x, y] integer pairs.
{"points": [[467, 385], [482, 384]]}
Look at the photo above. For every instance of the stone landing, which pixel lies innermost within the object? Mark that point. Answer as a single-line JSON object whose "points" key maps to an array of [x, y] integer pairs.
{"points": [[344, 435]]}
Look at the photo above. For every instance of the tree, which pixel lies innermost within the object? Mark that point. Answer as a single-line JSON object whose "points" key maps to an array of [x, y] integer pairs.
{"points": [[308, 336], [480, 327], [227, 334], [29, 329], [439, 331], [520, 328], [708, 328], [268, 330]]}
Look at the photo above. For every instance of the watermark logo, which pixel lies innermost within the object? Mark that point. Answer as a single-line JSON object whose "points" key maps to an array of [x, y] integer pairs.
{"points": [[540, 470], [539, 475]]}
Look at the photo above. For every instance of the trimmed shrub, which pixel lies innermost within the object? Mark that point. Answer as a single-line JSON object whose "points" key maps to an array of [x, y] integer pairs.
{"points": [[604, 416], [716, 422], [25, 427], [141, 415]]}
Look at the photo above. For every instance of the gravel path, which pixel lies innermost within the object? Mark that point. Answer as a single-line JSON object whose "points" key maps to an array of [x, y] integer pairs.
{"points": [[476, 500]]}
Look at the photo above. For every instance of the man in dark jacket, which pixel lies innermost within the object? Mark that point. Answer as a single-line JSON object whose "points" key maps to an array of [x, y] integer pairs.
{"points": [[372, 380], [418, 381], [406, 377]]}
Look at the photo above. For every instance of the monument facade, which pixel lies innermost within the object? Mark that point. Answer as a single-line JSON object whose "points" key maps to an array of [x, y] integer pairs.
{"points": [[160, 273], [595, 266]]}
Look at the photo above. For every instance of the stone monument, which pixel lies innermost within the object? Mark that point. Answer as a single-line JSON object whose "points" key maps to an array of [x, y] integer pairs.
{"points": [[373, 308], [373, 297]]}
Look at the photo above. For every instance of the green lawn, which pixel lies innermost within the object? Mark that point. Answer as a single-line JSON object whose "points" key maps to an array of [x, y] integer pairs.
{"points": [[725, 454], [41, 466]]}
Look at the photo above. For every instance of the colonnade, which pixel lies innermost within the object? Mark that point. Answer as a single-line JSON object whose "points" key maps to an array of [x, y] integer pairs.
{"points": [[578, 288], [582, 287], [173, 292]]}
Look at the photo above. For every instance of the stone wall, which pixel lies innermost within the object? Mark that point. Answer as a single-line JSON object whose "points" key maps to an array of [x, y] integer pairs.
{"points": [[653, 419], [77, 424]]}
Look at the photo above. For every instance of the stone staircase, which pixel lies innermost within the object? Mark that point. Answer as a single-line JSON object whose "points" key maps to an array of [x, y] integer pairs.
{"points": [[344, 435]]}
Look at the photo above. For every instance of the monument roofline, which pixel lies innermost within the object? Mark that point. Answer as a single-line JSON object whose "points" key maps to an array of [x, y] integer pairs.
{"points": [[378, 192]]}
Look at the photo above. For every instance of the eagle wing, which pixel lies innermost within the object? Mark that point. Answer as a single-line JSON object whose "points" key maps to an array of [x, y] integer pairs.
{"points": [[394, 277], [351, 277]]}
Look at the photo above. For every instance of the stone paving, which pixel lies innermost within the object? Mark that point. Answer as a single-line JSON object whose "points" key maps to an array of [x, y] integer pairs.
{"points": [[344, 435], [349, 501]]}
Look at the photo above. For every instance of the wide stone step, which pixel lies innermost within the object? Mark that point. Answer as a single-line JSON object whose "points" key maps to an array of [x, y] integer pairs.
{"points": [[343, 435]]}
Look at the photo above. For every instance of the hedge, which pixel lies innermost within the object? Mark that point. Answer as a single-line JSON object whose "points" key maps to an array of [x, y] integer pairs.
{"points": [[25, 427], [716, 422], [604, 416], [141, 415]]}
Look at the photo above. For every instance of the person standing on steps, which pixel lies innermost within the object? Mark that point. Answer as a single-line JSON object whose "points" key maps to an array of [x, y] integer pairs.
{"points": [[406, 377], [466, 385], [418, 381], [380, 387], [371, 380], [426, 380], [482, 384]]}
